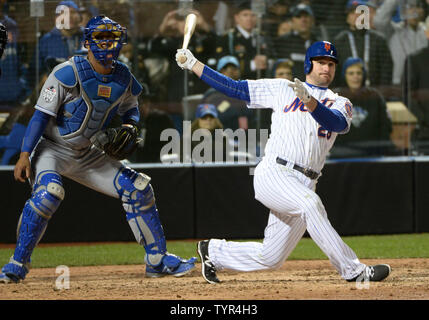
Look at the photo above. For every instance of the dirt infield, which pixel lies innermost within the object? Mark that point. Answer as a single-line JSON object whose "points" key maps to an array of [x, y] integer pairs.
{"points": [[296, 280]]}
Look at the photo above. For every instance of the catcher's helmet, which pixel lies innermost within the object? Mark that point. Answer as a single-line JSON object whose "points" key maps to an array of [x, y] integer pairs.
{"points": [[319, 49], [105, 49]]}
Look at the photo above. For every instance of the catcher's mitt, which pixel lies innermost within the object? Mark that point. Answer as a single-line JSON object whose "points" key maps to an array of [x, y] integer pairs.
{"points": [[118, 143]]}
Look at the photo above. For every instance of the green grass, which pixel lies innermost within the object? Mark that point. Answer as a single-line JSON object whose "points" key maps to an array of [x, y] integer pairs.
{"points": [[366, 247]]}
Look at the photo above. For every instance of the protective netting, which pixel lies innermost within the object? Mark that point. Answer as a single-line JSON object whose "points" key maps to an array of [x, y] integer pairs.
{"points": [[382, 51]]}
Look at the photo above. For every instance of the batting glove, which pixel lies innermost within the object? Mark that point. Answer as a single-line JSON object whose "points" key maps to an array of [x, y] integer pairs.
{"points": [[190, 59], [300, 90]]}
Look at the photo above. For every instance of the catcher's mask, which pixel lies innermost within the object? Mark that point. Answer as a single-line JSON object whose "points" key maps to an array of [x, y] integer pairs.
{"points": [[105, 38]]}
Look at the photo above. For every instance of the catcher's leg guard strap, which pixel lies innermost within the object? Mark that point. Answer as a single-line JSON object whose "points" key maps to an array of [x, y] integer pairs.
{"points": [[48, 192], [142, 215]]}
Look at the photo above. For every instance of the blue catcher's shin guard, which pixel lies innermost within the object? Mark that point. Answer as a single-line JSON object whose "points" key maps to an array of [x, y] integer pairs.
{"points": [[45, 199], [142, 216]]}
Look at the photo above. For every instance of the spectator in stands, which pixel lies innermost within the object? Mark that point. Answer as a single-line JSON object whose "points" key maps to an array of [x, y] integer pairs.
{"points": [[232, 113], [416, 86], [152, 123], [164, 46], [13, 87], [85, 15], [284, 27], [283, 68], [277, 13], [294, 45], [221, 19], [369, 45], [209, 147], [63, 41], [405, 37], [12, 131], [244, 43], [206, 117], [328, 14], [371, 125], [93, 7]]}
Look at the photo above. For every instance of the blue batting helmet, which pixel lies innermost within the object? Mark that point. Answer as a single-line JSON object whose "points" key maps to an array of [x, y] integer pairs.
{"points": [[105, 38], [319, 49]]}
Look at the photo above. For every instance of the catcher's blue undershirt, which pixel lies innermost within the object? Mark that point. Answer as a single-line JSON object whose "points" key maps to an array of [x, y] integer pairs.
{"points": [[331, 120], [34, 130]]}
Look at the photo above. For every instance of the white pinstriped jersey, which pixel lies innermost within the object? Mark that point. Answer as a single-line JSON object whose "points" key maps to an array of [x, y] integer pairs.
{"points": [[295, 134]]}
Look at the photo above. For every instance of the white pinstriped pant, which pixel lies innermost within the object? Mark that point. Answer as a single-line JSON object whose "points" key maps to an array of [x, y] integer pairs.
{"points": [[294, 207]]}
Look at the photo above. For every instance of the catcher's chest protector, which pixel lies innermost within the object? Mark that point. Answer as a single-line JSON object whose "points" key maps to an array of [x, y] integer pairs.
{"points": [[98, 102]]}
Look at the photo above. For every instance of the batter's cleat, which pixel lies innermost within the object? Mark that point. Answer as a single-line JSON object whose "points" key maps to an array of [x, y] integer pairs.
{"points": [[378, 272], [171, 265], [207, 268]]}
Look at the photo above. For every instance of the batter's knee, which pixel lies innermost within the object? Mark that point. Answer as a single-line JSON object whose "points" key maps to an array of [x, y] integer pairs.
{"points": [[48, 192], [272, 260], [313, 207]]}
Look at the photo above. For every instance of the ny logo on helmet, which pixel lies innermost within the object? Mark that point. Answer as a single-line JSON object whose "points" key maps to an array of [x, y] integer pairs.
{"points": [[328, 47]]}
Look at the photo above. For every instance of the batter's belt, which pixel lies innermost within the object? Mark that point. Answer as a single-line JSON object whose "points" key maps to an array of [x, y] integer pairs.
{"points": [[307, 172]]}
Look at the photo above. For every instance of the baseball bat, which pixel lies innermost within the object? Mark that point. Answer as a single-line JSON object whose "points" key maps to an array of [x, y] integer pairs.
{"points": [[191, 21]]}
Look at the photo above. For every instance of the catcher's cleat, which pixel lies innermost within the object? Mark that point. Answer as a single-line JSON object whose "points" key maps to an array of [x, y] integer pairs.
{"points": [[5, 279], [378, 272], [207, 268], [13, 272], [171, 265]]}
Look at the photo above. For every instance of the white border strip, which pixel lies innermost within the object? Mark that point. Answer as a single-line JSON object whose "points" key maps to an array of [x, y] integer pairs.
{"points": [[252, 164]]}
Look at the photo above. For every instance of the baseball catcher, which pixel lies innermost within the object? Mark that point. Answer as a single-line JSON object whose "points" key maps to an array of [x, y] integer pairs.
{"points": [[68, 136]]}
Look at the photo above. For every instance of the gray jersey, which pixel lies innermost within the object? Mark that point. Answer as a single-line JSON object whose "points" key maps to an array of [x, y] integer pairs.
{"points": [[83, 102]]}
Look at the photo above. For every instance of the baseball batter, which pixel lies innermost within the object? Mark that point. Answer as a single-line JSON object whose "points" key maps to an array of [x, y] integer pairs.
{"points": [[305, 121], [76, 104]]}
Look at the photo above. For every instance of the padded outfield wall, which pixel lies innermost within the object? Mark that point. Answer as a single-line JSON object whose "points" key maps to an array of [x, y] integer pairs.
{"points": [[379, 196]]}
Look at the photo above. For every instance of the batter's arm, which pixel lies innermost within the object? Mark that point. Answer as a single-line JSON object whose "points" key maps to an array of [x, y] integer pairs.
{"points": [[198, 68], [331, 120], [232, 88]]}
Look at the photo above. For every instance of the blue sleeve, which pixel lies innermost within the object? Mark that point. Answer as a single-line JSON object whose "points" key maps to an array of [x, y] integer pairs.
{"points": [[231, 88], [331, 120], [131, 116], [34, 131]]}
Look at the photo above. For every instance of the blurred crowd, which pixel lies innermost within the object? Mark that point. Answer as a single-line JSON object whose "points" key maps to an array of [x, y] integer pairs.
{"points": [[383, 64]]}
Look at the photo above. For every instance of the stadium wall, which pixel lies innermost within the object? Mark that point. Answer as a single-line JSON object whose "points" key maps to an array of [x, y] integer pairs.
{"points": [[361, 197]]}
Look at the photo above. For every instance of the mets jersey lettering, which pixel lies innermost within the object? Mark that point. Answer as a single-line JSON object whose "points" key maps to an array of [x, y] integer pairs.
{"points": [[297, 104]]}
